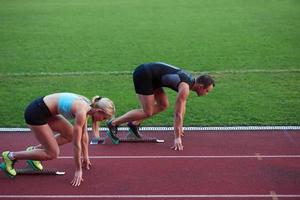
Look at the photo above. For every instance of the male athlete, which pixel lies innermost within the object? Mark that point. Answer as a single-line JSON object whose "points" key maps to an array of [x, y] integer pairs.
{"points": [[149, 80]]}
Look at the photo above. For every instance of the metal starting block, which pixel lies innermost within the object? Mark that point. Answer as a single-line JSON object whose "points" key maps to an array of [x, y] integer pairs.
{"points": [[129, 138], [30, 171]]}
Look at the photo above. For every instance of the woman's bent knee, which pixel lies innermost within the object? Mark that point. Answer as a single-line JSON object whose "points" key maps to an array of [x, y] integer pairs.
{"points": [[69, 138], [52, 154]]}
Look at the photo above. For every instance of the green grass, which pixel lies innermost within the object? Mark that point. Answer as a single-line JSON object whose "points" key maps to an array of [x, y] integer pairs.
{"points": [[199, 35], [238, 99]]}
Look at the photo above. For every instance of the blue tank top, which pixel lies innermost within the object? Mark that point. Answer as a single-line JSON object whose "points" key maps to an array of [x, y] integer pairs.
{"points": [[65, 103]]}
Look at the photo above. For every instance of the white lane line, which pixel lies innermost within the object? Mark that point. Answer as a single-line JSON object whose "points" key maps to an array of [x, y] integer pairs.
{"points": [[221, 128], [153, 196], [186, 157], [258, 156], [274, 195], [75, 73]]}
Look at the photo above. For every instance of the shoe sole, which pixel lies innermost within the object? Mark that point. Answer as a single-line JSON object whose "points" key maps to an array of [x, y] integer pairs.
{"points": [[3, 168], [111, 138], [32, 165]]}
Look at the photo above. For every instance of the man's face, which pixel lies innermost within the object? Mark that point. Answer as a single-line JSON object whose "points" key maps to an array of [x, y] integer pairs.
{"points": [[201, 91]]}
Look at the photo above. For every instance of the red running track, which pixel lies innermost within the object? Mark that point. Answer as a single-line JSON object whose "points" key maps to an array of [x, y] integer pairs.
{"points": [[213, 165]]}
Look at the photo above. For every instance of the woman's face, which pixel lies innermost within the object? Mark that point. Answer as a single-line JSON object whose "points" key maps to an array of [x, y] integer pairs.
{"points": [[99, 115]]}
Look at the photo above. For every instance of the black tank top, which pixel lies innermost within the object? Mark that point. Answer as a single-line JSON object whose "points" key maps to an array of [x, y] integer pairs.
{"points": [[165, 75]]}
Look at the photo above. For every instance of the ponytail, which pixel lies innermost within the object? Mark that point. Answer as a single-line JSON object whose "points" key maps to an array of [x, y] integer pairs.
{"points": [[105, 104]]}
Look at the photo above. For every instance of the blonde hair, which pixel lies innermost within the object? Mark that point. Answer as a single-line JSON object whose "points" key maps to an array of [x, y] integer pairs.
{"points": [[105, 104]]}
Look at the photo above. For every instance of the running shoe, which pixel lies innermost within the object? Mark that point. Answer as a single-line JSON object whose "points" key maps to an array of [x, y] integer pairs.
{"points": [[134, 129], [34, 164], [8, 165], [112, 132], [95, 140]]}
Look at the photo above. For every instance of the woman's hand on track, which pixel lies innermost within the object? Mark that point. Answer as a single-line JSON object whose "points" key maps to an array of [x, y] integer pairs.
{"points": [[77, 178], [86, 163], [177, 144]]}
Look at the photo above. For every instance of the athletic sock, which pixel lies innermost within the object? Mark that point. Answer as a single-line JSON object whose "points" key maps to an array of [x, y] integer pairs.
{"points": [[11, 156]]}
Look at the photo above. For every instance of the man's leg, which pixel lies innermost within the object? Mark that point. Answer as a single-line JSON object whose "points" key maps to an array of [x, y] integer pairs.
{"points": [[147, 102], [151, 105], [161, 103], [148, 107]]}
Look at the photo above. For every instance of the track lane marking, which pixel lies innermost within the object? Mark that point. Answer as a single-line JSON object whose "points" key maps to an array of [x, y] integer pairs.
{"points": [[167, 129], [154, 196], [126, 72], [258, 156], [186, 157], [274, 195]]}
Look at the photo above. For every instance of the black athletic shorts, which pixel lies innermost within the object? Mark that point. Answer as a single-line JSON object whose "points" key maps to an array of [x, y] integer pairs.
{"points": [[37, 112], [142, 79]]}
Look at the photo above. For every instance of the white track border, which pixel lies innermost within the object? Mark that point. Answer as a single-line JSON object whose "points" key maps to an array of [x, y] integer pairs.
{"points": [[221, 128], [143, 196], [76, 73]]}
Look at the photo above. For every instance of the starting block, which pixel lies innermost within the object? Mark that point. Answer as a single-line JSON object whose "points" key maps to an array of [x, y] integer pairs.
{"points": [[29, 171], [129, 138]]}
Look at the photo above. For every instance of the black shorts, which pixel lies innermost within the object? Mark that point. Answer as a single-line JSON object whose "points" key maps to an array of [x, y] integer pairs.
{"points": [[142, 79], [37, 112]]}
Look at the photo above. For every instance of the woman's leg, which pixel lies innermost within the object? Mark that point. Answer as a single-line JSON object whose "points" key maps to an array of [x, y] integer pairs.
{"points": [[64, 135], [62, 127], [49, 150]]}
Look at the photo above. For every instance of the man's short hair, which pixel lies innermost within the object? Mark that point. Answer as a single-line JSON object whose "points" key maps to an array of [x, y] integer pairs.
{"points": [[206, 80]]}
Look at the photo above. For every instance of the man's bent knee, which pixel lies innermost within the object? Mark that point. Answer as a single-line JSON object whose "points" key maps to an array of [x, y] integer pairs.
{"points": [[164, 106], [148, 113]]}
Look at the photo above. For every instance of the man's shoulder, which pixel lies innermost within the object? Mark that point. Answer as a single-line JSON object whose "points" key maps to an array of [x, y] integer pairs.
{"points": [[186, 77]]}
